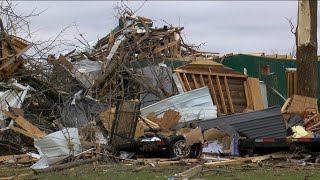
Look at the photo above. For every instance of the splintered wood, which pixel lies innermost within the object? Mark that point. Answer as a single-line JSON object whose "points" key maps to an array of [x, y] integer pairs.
{"points": [[299, 104], [189, 173], [231, 91], [12, 49], [254, 92], [194, 136], [170, 118], [107, 117], [28, 129]]}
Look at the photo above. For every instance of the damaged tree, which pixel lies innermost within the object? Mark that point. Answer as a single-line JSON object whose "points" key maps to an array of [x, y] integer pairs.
{"points": [[306, 41]]}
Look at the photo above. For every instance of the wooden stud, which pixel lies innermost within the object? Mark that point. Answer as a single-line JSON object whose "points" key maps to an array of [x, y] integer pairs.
{"points": [[202, 81], [295, 81], [288, 83], [30, 128], [210, 73], [291, 83], [21, 131], [313, 117], [228, 94], [183, 84], [246, 93], [187, 82], [221, 95], [195, 80], [214, 95], [188, 174]]}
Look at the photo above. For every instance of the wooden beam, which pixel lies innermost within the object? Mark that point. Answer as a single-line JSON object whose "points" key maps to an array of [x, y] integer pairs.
{"points": [[21, 131], [187, 82], [56, 167], [15, 57], [288, 85], [166, 46], [313, 117], [211, 73], [246, 93], [9, 114], [202, 81], [256, 102], [228, 94], [214, 95], [295, 81], [195, 81], [180, 79], [30, 128], [221, 95], [8, 157], [277, 155], [189, 173]]}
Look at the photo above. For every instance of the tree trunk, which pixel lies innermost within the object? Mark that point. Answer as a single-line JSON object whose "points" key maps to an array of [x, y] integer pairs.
{"points": [[306, 41]]}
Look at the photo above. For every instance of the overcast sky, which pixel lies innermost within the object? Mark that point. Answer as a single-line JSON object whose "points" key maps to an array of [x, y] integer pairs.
{"points": [[225, 26]]}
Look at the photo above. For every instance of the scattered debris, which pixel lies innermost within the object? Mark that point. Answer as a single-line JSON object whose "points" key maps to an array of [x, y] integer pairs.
{"points": [[126, 99]]}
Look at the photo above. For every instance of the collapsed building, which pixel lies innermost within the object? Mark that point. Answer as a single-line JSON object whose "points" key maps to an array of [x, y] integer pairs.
{"points": [[140, 88]]}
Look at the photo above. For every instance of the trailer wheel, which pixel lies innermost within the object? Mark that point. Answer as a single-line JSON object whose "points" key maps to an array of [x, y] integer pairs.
{"points": [[178, 148]]}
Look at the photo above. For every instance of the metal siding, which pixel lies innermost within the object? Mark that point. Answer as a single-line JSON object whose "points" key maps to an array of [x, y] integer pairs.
{"points": [[277, 79], [267, 123], [192, 105]]}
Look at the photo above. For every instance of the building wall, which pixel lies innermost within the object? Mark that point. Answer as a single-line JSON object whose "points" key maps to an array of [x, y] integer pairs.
{"points": [[274, 79]]}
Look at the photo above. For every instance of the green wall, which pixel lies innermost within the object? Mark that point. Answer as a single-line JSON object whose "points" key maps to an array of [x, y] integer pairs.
{"points": [[276, 79]]}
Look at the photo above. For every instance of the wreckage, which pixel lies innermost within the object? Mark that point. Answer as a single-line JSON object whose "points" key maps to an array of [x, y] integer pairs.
{"points": [[140, 89]]}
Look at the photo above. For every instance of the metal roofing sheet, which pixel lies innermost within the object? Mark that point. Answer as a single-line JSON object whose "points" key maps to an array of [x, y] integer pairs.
{"points": [[192, 105], [267, 123]]}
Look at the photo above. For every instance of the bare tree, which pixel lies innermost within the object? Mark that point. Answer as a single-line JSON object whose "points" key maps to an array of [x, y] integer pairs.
{"points": [[307, 45]]}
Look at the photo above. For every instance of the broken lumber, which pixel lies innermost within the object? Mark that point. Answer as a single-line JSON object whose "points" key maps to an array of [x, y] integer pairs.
{"points": [[140, 168], [278, 155], [254, 94], [18, 176], [67, 165], [189, 173], [170, 118]]}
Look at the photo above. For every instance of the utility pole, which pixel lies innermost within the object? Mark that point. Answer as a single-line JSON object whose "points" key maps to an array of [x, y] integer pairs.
{"points": [[307, 45]]}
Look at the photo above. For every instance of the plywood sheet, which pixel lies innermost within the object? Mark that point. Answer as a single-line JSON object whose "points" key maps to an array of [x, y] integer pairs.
{"points": [[170, 118], [194, 136], [301, 103], [254, 93]]}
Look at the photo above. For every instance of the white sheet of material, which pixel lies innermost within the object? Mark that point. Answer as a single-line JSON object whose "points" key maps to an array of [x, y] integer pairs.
{"points": [[192, 105], [13, 97], [56, 147]]}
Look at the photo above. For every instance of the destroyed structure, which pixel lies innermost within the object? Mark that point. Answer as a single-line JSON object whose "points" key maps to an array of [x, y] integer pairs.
{"points": [[140, 89]]}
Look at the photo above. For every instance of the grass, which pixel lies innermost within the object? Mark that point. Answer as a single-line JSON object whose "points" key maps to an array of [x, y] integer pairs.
{"points": [[114, 171]]}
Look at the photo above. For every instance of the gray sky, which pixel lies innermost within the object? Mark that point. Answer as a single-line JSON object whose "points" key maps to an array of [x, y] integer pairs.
{"points": [[225, 26]]}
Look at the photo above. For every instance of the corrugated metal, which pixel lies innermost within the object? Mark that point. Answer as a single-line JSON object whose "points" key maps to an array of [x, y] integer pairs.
{"points": [[12, 95], [192, 105], [57, 146], [267, 123]]}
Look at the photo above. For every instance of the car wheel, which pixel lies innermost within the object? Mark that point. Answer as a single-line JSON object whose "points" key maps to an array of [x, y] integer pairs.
{"points": [[179, 148]]}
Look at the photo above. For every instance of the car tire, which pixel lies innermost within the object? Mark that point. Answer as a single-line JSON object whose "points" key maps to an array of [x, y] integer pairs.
{"points": [[177, 148]]}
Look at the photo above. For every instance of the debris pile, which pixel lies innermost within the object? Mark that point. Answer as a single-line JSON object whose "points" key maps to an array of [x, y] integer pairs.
{"points": [[140, 90]]}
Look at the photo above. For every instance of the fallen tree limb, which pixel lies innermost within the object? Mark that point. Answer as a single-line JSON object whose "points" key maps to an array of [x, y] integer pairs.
{"points": [[67, 165], [140, 168], [18, 176], [189, 173]]}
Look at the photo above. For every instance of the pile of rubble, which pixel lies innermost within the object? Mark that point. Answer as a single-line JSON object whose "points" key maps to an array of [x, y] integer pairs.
{"points": [[140, 90]]}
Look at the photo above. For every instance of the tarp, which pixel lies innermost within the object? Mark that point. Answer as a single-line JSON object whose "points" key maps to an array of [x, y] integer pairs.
{"points": [[80, 109], [11, 95]]}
